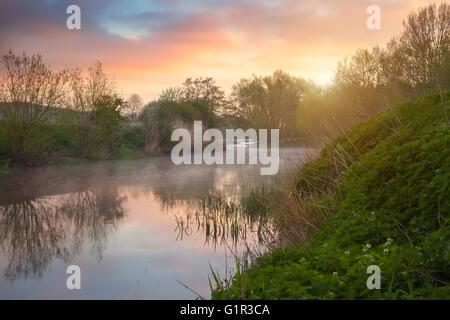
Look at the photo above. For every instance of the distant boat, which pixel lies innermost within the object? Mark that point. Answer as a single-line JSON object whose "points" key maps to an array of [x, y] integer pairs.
{"points": [[241, 143]]}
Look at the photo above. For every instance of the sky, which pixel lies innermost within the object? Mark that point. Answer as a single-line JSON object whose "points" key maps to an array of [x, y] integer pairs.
{"points": [[149, 45]]}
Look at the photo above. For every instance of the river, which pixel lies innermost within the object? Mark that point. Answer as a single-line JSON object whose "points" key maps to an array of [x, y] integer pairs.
{"points": [[133, 227]]}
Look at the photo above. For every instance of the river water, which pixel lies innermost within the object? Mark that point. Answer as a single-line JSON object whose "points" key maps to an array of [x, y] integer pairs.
{"points": [[133, 227]]}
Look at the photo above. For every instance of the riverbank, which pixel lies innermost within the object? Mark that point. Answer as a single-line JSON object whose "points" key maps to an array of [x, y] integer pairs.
{"points": [[376, 195], [55, 144]]}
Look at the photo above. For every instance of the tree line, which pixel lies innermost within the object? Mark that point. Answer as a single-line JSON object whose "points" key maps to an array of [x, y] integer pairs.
{"points": [[416, 62], [47, 114], [42, 111]]}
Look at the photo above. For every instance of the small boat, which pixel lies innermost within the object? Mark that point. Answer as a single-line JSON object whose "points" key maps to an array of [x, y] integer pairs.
{"points": [[241, 143]]}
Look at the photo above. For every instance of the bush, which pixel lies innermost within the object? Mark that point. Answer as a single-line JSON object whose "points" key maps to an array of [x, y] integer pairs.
{"points": [[133, 137], [60, 143], [161, 118]]}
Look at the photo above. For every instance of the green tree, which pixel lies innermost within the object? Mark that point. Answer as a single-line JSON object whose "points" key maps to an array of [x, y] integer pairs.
{"points": [[269, 102], [160, 118], [106, 119]]}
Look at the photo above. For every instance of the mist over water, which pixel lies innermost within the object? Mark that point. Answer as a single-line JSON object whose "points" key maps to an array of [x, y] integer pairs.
{"points": [[132, 226]]}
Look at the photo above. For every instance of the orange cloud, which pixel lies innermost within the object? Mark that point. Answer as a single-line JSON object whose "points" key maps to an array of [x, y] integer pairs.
{"points": [[153, 45]]}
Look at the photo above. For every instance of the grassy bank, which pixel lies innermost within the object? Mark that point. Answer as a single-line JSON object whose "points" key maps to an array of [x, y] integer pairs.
{"points": [[377, 195]]}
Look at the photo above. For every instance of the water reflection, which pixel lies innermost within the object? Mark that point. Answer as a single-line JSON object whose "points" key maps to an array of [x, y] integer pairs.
{"points": [[134, 227], [36, 231], [223, 221]]}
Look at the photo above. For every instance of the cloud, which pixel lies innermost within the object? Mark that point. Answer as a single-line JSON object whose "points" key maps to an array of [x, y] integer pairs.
{"points": [[148, 45]]}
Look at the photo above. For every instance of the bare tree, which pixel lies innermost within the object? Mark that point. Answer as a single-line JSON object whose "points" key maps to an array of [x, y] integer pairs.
{"points": [[87, 91], [31, 94], [134, 104], [206, 90], [30, 90], [93, 102], [422, 46], [359, 80], [173, 94]]}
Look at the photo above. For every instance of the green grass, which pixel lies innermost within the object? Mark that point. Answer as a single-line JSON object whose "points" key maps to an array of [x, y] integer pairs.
{"points": [[388, 181]]}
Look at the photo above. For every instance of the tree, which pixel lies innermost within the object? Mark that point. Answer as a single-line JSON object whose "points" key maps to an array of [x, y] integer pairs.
{"points": [[442, 80], [422, 46], [86, 95], [204, 90], [87, 91], [160, 118], [312, 112], [360, 80], [106, 116], [30, 90], [173, 94], [30, 94], [268, 102], [134, 106]]}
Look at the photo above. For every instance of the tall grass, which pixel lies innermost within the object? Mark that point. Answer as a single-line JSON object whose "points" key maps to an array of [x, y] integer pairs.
{"points": [[306, 194]]}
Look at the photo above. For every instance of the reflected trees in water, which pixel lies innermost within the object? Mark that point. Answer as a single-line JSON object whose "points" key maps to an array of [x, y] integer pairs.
{"points": [[35, 232]]}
